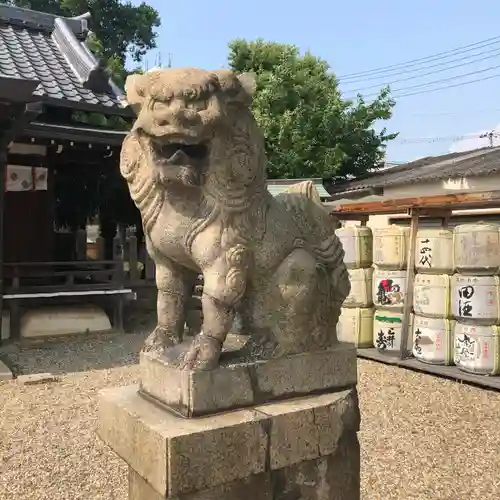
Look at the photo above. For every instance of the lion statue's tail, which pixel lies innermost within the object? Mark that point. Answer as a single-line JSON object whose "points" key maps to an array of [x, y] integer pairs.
{"points": [[317, 229]]}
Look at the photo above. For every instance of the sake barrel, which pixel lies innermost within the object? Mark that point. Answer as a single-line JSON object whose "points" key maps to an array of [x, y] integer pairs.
{"points": [[389, 289], [390, 247], [361, 288], [432, 296], [357, 242], [477, 348], [476, 248], [433, 340], [387, 331], [434, 251], [475, 299], [355, 326]]}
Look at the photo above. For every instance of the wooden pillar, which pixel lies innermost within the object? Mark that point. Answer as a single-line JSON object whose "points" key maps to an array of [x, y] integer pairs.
{"points": [[24, 112], [133, 258], [119, 277], [410, 277], [81, 244], [149, 268], [118, 255], [117, 246], [3, 167], [100, 244]]}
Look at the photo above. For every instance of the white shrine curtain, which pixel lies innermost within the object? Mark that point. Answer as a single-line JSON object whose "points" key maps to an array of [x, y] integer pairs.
{"points": [[23, 178]]}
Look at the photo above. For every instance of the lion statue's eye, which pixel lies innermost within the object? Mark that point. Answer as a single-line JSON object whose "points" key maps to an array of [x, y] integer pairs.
{"points": [[197, 105]]}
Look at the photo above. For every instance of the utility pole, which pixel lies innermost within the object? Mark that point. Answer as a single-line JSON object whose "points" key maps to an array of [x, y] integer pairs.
{"points": [[490, 136]]}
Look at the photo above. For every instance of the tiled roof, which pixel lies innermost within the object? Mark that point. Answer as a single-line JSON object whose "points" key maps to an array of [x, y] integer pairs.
{"points": [[278, 186], [481, 162], [40, 46]]}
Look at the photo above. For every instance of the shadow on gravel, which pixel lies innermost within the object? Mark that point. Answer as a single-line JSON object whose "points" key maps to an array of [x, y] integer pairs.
{"points": [[82, 353], [76, 354], [86, 353]]}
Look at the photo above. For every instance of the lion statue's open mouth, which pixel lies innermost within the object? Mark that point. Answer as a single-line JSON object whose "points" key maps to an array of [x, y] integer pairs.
{"points": [[181, 153], [180, 159]]}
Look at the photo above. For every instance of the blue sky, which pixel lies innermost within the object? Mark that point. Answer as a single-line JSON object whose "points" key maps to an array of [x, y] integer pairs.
{"points": [[353, 37]]}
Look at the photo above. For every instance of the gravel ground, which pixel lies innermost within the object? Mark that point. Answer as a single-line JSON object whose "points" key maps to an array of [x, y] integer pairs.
{"points": [[422, 437]]}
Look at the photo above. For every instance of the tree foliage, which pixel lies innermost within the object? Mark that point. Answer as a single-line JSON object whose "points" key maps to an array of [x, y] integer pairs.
{"points": [[310, 130], [119, 28]]}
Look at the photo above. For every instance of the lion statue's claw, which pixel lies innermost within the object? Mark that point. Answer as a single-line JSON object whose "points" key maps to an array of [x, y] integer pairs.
{"points": [[203, 354], [159, 341]]}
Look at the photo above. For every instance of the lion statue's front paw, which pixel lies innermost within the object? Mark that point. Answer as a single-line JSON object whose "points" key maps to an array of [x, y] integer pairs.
{"points": [[159, 341], [203, 354]]}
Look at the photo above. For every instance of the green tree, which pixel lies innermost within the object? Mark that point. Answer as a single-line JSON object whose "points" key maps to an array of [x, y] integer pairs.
{"points": [[120, 28], [310, 130]]}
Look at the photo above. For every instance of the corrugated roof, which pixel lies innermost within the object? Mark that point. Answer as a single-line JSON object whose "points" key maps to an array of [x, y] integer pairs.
{"points": [[278, 186], [481, 162], [35, 45]]}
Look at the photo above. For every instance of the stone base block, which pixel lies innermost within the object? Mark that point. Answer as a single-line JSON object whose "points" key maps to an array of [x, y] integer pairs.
{"points": [[303, 448], [5, 372], [257, 487], [39, 323], [238, 385]]}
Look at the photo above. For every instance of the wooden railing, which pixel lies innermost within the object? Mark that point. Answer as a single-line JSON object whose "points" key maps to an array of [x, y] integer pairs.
{"points": [[130, 266], [138, 267], [36, 277], [89, 275]]}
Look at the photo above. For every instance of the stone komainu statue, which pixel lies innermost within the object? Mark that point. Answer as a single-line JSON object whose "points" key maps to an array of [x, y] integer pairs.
{"points": [[196, 169]]}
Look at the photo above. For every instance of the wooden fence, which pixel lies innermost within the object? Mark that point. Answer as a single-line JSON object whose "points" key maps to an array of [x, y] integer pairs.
{"points": [[54, 277], [138, 267]]}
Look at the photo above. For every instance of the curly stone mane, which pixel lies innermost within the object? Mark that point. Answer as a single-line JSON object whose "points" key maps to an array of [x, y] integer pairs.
{"points": [[146, 194], [237, 180]]}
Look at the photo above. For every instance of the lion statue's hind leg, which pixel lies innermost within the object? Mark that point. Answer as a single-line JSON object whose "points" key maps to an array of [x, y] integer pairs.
{"points": [[293, 288]]}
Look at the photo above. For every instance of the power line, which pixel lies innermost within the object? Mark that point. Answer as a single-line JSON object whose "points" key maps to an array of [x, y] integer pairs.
{"points": [[398, 72], [413, 62], [451, 138], [404, 89], [428, 91], [495, 54], [458, 113], [429, 140]]}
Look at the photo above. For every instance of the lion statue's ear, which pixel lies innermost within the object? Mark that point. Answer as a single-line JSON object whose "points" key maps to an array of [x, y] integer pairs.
{"points": [[135, 89], [248, 82], [239, 88]]}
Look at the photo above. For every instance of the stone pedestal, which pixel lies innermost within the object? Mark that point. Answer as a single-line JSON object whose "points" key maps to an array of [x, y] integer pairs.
{"points": [[237, 384], [300, 448]]}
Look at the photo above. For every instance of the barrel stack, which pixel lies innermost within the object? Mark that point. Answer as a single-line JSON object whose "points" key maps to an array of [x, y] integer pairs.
{"points": [[356, 319]]}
